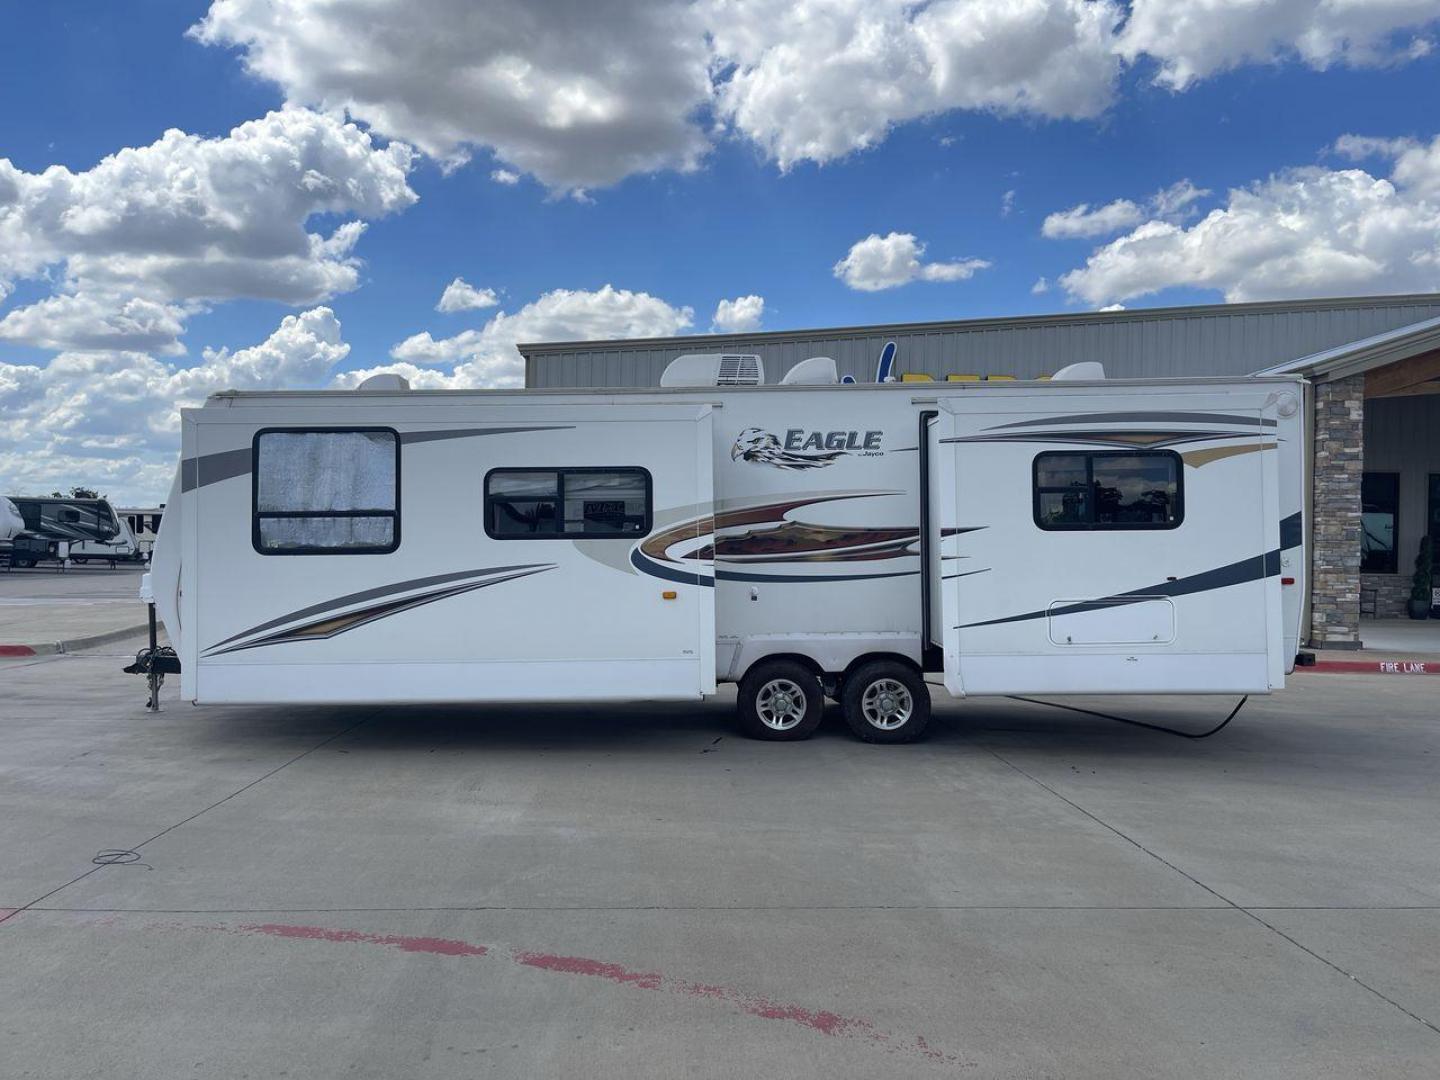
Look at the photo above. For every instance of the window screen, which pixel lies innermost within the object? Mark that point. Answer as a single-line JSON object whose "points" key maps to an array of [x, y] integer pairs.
{"points": [[594, 503], [1108, 490], [327, 492], [1379, 510]]}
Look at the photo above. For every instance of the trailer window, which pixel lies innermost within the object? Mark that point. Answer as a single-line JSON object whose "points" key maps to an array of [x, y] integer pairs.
{"points": [[567, 504], [1138, 489], [326, 492]]}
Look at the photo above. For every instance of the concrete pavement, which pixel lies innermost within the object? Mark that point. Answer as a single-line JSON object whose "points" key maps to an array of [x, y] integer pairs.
{"points": [[638, 892], [43, 610]]}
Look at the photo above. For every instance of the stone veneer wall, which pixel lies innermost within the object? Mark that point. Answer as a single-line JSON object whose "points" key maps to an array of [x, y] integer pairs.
{"points": [[1392, 594], [1335, 517]]}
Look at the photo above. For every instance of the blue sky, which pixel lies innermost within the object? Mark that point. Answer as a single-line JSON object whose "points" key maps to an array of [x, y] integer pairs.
{"points": [[746, 214]]}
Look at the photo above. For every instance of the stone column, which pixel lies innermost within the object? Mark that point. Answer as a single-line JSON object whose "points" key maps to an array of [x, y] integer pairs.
{"points": [[1335, 515]]}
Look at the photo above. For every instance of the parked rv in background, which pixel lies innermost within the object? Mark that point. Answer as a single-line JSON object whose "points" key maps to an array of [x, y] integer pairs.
{"points": [[78, 529], [144, 522], [811, 539]]}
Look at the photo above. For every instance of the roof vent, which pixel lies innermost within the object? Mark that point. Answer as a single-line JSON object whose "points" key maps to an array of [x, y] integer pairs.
{"points": [[816, 371], [1085, 371], [385, 380], [714, 369]]}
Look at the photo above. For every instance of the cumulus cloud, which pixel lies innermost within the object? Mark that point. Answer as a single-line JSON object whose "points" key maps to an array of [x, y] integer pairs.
{"points": [[487, 357], [151, 234], [577, 94], [814, 80], [110, 418], [886, 262], [460, 295], [1191, 40], [738, 316], [581, 95], [505, 176], [1083, 221], [1306, 231]]}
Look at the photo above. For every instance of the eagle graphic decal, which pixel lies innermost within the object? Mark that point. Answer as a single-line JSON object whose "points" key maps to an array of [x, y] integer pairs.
{"points": [[759, 446]]}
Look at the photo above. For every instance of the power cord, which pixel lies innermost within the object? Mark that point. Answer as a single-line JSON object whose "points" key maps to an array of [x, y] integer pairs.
{"points": [[1140, 723]]}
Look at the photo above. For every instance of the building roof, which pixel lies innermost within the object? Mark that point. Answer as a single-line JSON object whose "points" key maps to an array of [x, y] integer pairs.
{"points": [[1366, 354], [1148, 343]]}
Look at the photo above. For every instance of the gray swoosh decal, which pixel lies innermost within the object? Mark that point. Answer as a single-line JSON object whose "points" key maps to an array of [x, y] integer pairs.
{"points": [[408, 437], [325, 628], [373, 594], [1291, 531], [197, 472], [212, 468], [1237, 573], [1158, 417]]}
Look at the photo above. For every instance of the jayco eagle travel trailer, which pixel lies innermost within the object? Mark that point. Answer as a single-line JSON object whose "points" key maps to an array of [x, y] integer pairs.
{"points": [[1071, 536]]}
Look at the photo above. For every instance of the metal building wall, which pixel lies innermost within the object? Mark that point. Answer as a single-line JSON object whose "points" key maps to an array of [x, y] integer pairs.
{"points": [[1217, 340]]}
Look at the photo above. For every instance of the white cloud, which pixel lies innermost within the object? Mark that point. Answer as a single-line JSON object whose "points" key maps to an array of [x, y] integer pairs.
{"points": [[1007, 203], [738, 316], [885, 262], [150, 234], [814, 80], [579, 95], [1081, 220], [1174, 202], [583, 95], [1192, 39], [1041, 286], [487, 357], [460, 295], [109, 419], [1302, 232]]}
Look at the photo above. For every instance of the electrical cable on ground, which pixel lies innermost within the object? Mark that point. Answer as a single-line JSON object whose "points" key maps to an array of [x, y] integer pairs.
{"points": [[1140, 723]]}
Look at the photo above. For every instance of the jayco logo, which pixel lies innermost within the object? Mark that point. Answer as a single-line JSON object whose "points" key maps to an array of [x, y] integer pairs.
{"points": [[803, 449]]}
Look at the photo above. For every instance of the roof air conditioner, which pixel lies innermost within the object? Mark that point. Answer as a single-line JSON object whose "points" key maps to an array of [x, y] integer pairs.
{"points": [[714, 369]]}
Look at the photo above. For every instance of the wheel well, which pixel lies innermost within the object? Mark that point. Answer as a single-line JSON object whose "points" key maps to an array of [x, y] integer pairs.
{"points": [[860, 661], [799, 658]]}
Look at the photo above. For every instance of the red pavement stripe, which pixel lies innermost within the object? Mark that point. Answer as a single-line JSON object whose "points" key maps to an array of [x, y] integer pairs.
{"points": [[1374, 667], [16, 650]]}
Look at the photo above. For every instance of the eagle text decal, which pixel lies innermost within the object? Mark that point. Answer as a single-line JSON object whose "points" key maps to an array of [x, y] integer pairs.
{"points": [[803, 449]]}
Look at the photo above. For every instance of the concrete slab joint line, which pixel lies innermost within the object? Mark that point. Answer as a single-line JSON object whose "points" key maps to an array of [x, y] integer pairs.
{"points": [[1250, 913], [7, 914]]}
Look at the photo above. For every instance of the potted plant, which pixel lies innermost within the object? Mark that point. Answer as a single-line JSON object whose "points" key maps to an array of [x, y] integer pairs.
{"points": [[1422, 583]]}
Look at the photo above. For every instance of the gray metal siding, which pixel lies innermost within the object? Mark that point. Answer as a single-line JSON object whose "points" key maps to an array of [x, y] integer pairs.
{"points": [[1402, 435], [1205, 341]]}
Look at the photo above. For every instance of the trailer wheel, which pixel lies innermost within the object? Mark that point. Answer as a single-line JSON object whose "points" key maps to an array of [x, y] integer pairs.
{"points": [[781, 701], [886, 702]]}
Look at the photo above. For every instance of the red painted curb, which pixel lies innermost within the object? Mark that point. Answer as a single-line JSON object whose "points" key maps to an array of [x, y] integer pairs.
{"points": [[16, 650], [1374, 667]]}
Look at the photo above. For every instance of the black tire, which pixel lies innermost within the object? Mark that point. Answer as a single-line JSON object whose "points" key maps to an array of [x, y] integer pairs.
{"points": [[759, 716], [886, 701], [25, 564], [80, 560]]}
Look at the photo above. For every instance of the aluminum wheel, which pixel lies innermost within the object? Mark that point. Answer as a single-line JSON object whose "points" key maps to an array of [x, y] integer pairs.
{"points": [[887, 704], [780, 704]]}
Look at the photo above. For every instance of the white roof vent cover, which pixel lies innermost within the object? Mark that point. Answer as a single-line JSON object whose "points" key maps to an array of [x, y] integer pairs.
{"points": [[1084, 371], [714, 369], [816, 371], [385, 380]]}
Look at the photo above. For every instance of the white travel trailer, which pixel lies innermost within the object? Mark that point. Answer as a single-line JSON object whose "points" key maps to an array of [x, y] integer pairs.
{"points": [[856, 541]]}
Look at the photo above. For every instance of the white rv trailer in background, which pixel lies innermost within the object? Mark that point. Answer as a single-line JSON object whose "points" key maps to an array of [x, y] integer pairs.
{"points": [[144, 523], [1085, 537]]}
